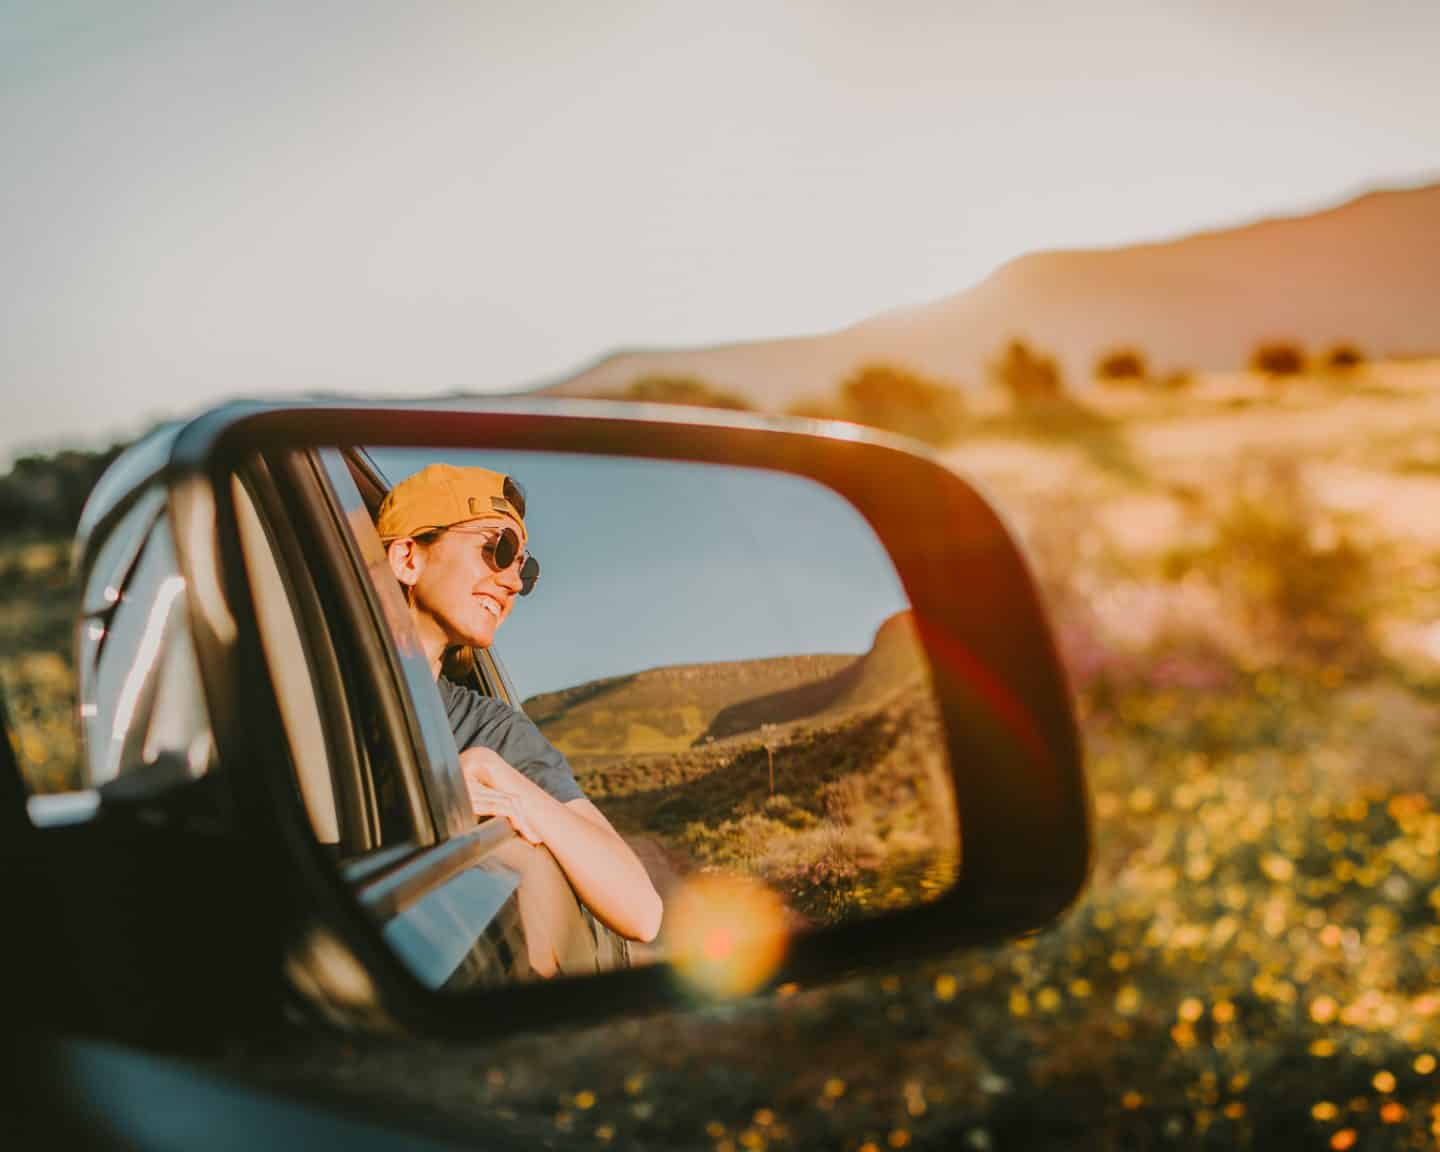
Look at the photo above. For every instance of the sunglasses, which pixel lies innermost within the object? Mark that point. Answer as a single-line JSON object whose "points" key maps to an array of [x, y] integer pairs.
{"points": [[501, 549]]}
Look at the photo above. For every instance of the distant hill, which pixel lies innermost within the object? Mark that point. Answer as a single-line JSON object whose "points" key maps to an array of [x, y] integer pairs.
{"points": [[1366, 272], [825, 776], [666, 709], [671, 709], [893, 664]]}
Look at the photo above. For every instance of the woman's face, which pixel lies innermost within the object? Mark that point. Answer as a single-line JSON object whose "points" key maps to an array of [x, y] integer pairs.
{"points": [[458, 590]]}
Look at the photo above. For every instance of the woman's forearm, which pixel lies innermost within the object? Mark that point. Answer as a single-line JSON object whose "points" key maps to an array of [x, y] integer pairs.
{"points": [[604, 871], [606, 874]]}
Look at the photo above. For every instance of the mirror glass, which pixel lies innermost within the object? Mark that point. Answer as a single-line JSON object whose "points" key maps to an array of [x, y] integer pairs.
{"points": [[682, 711]]}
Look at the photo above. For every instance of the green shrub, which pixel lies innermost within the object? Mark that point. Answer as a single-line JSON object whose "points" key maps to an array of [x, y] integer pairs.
{"points": [[1344, 358], [890, 397], [1121, 365], [661, 389], [895, 399], [1278, 358], [1301, 584], [44, 494], [1025, 376]]}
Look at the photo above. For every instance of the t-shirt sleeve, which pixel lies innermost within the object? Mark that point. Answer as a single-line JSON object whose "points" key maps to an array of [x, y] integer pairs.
{"points": [[479, 721]]}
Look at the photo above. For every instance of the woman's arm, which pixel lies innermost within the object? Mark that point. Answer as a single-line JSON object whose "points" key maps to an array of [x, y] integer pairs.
{"points": [[607, 876]]}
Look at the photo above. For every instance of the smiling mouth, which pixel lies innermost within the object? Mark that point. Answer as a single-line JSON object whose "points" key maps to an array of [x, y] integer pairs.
{"points": [[490, 605]]}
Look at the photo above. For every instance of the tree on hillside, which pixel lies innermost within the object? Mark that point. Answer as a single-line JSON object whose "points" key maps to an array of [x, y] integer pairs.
{"points": [[1121, 365], [664, 389], [898, 400], [1278, 358], [1344, 358], [1027, 377], [893, 398], [44, 494]]}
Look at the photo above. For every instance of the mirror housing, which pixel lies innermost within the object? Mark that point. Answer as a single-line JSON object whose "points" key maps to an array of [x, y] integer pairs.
{"points": [[1013, 743]]}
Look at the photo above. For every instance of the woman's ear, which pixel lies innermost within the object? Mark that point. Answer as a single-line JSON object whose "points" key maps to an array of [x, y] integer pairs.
{"points": [[407, 559]]}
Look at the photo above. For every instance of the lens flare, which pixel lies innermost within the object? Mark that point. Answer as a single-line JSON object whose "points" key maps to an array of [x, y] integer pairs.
{"points": [[725, 935]]}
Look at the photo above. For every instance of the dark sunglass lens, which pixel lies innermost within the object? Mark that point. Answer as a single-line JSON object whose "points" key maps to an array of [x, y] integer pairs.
{"points": [[500, 550], [529, 574], [504, 549]]}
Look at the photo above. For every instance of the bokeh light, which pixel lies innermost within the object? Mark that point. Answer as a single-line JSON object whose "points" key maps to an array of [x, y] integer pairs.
{"points": [[725, 934]]}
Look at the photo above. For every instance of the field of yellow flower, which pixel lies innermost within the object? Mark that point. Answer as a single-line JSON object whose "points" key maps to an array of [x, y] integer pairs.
{"points": [[1245, 580], [1248, 608]]}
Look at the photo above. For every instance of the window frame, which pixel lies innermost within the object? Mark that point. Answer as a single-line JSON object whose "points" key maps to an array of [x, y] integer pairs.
{"points": [[313, 549], [375, 610], [360, 828]]}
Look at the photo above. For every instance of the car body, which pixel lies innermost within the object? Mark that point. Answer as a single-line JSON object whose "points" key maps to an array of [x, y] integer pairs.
{"points": [[326, 872], [139, 685]]}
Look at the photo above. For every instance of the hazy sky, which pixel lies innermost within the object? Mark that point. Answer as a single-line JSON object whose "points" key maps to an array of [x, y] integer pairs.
{"points": [[427, 197]]}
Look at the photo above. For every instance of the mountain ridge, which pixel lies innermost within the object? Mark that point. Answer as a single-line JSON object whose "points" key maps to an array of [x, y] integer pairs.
{"points": [[675, 707], [1365, 271]]}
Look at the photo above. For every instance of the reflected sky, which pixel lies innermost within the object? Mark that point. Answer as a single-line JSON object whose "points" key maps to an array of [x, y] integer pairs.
{"points": [[647, 563]]}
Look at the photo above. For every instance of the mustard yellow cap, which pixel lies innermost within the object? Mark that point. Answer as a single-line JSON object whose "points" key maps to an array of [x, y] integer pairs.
{"points": [[441, 495]]}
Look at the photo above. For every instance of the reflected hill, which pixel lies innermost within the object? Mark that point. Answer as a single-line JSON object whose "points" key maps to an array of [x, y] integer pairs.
{"points": [[893, 665], [673, 708], [825, 775]]}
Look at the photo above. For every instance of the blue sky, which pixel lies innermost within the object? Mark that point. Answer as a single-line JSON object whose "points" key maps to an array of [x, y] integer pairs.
{"points": [[647, 563], [208, 201]]}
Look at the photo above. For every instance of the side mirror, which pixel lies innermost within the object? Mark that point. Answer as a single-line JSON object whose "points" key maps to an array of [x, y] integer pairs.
{"points": [[801, 669]]}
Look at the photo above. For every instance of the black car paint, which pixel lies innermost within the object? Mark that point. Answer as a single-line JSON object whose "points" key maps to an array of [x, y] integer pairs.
{"points": [[244, 913]]}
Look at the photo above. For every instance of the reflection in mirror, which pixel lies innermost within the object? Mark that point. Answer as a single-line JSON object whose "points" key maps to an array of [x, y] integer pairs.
{"points": [[655, 679]]}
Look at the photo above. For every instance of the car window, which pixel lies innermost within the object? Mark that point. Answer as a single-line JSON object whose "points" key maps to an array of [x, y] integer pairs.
{"points": [[291, 671], [141, 703], [479, 669], [440, 765], [353, 784]]}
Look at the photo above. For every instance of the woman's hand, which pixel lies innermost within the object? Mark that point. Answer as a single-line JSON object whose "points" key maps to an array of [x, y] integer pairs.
{"points": [[491, 783]]}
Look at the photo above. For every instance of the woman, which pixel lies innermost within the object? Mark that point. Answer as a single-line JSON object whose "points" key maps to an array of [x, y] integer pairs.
{"points": [[455, 539]]}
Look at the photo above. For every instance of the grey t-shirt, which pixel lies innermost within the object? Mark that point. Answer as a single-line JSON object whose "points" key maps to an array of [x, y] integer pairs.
{"points": [[478, 720]]}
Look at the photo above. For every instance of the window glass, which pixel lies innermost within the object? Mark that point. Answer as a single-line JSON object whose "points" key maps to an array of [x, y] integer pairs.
{"points": [[347, 769], [142, 706], [443, 785], [290, 671]]}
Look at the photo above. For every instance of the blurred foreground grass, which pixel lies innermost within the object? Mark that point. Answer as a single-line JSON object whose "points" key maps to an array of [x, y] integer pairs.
{"points": [[1256, 962], [1248, 611], [37, 673]]}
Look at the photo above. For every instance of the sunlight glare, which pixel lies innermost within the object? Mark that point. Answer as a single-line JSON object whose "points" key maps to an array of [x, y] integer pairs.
{"points": [[725, 934]]}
